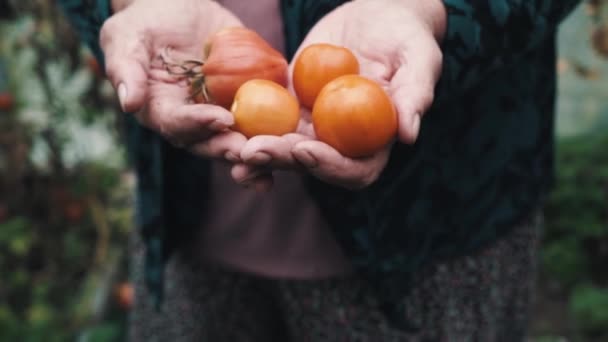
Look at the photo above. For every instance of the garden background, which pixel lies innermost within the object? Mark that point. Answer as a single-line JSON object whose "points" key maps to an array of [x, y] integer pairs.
{"points": [[66, 189]]}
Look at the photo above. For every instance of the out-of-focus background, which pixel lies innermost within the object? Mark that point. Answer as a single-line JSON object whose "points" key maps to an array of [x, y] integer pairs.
{"points": [[66, 189]]}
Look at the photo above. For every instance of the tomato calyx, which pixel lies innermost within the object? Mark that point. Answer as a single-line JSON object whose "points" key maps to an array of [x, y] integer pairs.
{"points": [[190, 69]]}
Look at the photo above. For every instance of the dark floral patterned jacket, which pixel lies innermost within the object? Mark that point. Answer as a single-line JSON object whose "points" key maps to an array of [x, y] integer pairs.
{"points": [[483, 160]]}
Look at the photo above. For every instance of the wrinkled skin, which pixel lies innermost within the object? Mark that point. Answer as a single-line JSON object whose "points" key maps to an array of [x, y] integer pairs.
{"points": [[132, 41], [397, 45]]}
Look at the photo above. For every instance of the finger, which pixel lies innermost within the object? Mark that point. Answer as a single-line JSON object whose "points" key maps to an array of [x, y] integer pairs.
{"points": [[261, 184], [181, 123], [412, 87], [243, 173], [378, 69], [329, 165], [226, 145], [272, 151], [190, 125], [127, 61], [259, 178], [305, 126]]}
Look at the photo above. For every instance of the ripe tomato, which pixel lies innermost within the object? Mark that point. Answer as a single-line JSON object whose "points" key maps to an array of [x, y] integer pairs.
{"points": [[6, 101], [355, 116], [262, 107], [123, 294], [93, 66], [232, 57], [317, 65], [74, 210]]}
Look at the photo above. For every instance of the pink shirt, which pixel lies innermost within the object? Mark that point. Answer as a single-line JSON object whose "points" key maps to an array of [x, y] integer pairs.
{"points": [[277, 234]]}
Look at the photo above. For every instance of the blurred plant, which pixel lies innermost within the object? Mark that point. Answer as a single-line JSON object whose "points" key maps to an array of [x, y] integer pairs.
{"points": [[589, 306], [575, 246], [597, 10], [65, 191]]}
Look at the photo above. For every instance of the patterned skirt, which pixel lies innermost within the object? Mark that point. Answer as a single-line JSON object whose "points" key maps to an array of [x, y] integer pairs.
{"points": [[482, 297]]}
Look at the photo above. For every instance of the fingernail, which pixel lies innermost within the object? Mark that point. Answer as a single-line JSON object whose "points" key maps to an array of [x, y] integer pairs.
{"points": [[232, 157], [306, 158], [248, 181], [122, 95], [218, 125], [260, 158], [415, 127]]}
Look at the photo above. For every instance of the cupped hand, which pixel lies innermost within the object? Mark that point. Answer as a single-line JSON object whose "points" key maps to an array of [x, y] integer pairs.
{"points": [[397, 45], [133, 40]]}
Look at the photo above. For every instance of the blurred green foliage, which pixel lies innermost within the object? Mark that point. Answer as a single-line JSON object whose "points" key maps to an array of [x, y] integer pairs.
{"points": [[575, 246], [589, 306], [65, 190], [574, 252]]}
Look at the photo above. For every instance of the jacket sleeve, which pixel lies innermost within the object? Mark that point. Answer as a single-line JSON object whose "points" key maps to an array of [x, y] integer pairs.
{"points": [[483, 35], [87, 17]]}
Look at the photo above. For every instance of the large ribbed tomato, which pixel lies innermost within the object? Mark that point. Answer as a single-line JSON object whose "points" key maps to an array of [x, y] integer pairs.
{"points": [[317, 65], [355, 116], [262, 107], [232, 56]]}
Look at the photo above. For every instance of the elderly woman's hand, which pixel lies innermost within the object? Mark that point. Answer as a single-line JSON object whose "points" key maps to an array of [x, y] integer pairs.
{"points": [[134, 38], [397, 45]]}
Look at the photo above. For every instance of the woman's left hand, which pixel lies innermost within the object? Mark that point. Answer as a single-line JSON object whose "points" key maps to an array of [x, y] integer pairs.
{"points": [[397, 45]]}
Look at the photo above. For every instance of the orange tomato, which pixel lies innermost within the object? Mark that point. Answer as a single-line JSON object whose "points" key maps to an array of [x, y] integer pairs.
{"points": [[355, 116], [234, 56], [262, 107], [317, 65]]}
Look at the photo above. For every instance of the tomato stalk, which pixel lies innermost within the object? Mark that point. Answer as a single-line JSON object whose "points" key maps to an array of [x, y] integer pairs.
{"points": [[190, 69], [232, 57]]}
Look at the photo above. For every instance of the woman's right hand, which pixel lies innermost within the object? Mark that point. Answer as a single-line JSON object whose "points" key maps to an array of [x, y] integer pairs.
{"points": [[132, 41]]}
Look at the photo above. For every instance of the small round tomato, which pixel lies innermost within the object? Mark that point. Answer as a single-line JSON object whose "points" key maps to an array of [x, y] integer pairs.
{"points": [[6, 101], [262, 107], [317, 65], [93, 66], [123, 294], [355, 116], [74, 210]]}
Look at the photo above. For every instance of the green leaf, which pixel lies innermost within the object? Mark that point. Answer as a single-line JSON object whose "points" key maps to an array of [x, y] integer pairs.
{"points": [[107, 332], [565, 260], [589, 306], [16, 227]]}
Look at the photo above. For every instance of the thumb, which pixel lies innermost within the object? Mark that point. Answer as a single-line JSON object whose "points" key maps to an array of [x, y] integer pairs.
{"points": [[412, 88], [127, 62]]}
